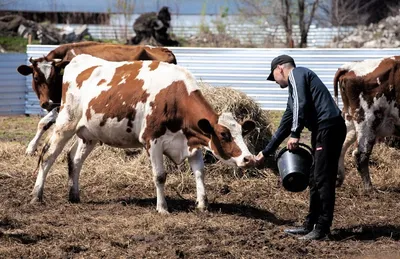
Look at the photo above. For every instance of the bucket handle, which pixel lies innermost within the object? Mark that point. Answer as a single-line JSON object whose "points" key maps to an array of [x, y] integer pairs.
{"points": [[300, 144]]}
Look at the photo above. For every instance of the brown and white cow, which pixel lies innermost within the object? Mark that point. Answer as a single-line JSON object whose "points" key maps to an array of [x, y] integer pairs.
{"points": [[47, 73], [370, 92], [151, 104]]}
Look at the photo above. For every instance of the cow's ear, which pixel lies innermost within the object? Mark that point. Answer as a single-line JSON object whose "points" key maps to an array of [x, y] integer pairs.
{"points": [[60, 67], [25, 70], [248, 126], [61, 64], [205, 126]]}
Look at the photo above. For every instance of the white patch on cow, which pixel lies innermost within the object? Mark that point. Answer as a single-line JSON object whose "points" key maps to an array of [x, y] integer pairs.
{"points": [[163, 76], [43, 123], [45, 67], [362, 68], [175, 146], [378, 81], [149, 46], [73, 52], [227, 120]]}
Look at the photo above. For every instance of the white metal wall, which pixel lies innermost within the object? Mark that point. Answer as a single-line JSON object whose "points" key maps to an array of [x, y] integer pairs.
{"points": [[244, 69], [12, 84]]}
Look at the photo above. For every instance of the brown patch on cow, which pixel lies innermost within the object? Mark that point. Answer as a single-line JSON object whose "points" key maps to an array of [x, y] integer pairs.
{"points": [[153, 65], [64, 90], [360, 116], [168, 113], [120, 100], [102, 81], [223, 145], [84, 75], [379, 116]]}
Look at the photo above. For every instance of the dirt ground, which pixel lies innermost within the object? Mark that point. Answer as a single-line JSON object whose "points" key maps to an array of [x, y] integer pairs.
{"points": [[117, 218]]}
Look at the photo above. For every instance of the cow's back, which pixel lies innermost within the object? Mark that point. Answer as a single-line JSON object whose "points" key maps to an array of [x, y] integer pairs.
{"points": [[61, 51], [116, 52]]}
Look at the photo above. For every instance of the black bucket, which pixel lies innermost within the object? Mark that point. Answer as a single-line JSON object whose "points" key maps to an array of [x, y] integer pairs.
{"points": [[294, 167]]}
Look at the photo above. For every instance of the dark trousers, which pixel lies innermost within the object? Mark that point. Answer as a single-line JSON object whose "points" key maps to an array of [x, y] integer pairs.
{"points": [[327, 145]]}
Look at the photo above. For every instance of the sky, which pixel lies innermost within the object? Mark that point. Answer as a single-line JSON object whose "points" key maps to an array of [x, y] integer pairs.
{"points": [[104, 6]]}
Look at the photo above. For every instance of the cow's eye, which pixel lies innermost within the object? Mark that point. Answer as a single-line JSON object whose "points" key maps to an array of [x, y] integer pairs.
{"points": [[226, 136], [36, 78]]}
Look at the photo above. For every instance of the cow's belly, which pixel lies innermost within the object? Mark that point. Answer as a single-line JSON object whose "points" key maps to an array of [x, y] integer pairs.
{"points": [[175, 146], [114, 133]]}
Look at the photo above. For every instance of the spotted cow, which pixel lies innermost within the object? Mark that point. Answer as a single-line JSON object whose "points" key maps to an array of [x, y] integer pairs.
{"points": [[47, 73], [370, 91], [147, 104]]}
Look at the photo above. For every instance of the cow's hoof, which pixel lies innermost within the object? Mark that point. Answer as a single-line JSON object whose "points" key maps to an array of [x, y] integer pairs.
{"points": [[30, 151], [162, 211], [202, 209], [339, 182], [368, 189], [73, 197], [36, 200]]}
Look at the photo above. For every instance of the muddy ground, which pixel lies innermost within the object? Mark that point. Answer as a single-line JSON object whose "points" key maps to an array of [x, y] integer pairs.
{"points": [[117, 218]]}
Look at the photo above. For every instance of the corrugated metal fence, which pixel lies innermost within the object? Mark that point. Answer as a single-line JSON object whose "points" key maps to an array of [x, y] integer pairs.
{"points": [[12, 84], [244, 69]]}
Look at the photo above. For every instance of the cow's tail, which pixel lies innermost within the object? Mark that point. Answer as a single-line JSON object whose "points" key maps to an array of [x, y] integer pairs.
{"points": [[338, 74]]}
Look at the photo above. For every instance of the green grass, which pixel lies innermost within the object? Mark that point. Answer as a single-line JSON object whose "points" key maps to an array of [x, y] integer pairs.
{"points": [[15, 44], [18, 128]]}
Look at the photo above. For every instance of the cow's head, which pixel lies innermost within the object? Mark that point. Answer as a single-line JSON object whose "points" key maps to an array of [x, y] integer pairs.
{"points": [[46, 80], [226, 139]]}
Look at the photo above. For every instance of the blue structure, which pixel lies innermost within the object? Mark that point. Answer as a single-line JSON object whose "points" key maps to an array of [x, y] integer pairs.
{"points": [[187, 7]]}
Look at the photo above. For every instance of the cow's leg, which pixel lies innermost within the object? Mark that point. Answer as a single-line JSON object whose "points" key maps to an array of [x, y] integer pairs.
{"points": [[350, 138], [159, 176], [76, 156], [366, 142], [63, 131], [43, 125], [197, 165]]}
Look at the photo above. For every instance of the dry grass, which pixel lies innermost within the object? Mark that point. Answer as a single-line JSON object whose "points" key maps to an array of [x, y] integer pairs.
{"points": [[247, 214]]}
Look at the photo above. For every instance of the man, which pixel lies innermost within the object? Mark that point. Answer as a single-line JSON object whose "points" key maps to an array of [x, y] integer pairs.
{"points": [[310, 105]]}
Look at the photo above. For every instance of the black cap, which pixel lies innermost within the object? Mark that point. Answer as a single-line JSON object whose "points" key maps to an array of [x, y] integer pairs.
{"points": [[279, 60]]}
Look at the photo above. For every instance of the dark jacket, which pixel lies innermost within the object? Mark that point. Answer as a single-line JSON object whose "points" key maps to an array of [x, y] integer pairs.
{"points": [[309, 105]]}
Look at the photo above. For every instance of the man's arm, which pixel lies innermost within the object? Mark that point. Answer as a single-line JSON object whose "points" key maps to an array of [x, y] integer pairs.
{"points": [[299, 84], [282, 132]]}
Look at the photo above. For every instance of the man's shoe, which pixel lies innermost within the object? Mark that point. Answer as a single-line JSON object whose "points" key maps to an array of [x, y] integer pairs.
{"points": [[297, 231], [316, 234]]}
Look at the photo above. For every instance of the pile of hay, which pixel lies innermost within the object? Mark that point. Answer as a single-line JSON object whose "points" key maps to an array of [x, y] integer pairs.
{"points": [[226, 99]]}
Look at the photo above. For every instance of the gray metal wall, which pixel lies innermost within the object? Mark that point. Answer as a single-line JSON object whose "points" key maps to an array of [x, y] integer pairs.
{"points": [[245, 69], [12, 84]]}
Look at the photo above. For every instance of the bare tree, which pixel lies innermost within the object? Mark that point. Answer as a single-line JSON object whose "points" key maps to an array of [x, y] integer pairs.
{"points": [[126, 8], [303, 23], [288, 13], [347, 12]]}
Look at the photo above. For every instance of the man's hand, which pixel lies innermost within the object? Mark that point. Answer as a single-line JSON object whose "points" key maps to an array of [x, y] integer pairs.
{"points": [[259, 159], [293, 143]]}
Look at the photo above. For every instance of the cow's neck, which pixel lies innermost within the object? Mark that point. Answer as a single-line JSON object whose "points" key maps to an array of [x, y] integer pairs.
{"points": [[198, 108]]}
